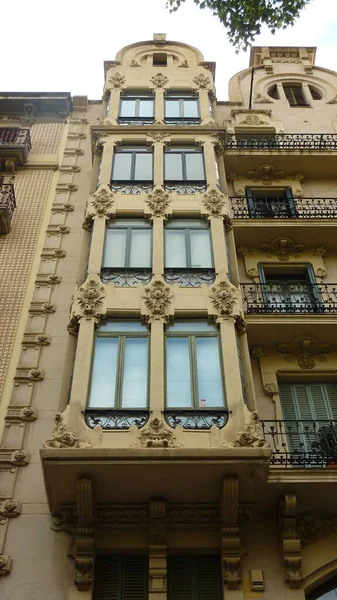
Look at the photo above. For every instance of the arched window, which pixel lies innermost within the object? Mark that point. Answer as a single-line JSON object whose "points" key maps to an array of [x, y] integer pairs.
{"points": [[326, 591]]}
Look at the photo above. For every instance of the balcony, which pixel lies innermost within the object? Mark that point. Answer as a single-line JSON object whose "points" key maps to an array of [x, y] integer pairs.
{"points": [[300, 444], [110, 419], [189, 277], [282, 141], [15, 145], [126, 277], [271, 207], [7, 206], [289, 298]]}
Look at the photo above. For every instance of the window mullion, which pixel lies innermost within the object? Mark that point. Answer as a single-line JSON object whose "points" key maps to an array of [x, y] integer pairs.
{"points": [[133, 166], [120, 370], [137, 106], [194, 374], [128, 247], [183, 158], [188, 249], [181, 108]]}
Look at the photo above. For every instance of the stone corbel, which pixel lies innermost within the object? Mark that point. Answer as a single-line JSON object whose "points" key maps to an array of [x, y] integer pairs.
{"points": [[100, 204], [157, 548], [230, 534], [157, 302], [5, 565], [214, 204], [84, 541], [89, 301], [291, 543], [158, 203], [225, 302]]}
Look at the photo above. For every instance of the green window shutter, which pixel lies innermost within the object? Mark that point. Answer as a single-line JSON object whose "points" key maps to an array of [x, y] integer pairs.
{"points": [[121, 578], [287, 402], [331, 392], [194, 578]]}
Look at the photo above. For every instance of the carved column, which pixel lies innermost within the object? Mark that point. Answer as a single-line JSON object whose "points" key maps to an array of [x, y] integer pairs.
{"points": [[247, 371], [107, 158], [157, 550], [209, 157], [291, 544], [204, 105], [230, 536], [84, 541], [219, 246], [159, 109], [100, 208]]}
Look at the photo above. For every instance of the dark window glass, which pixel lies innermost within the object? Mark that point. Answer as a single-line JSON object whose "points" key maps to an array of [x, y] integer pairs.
{"points": [[194, 578], [295, 95], [121, 578]]}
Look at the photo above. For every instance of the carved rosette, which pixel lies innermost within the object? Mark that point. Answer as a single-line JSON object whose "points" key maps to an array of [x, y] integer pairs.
{"points": [[214, 203], [62, 438], [116, 81], [158, 136], [282, 248], [89, 301], [101, 205], [159, 80], [157, 435], [305, 350], [158, 202], [202, 82], [157, 299], [225, 301]]}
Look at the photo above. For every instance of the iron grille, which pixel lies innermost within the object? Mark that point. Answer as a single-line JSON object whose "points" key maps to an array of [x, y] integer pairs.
{"points": [[187, 187], [281, 141], [116, 419], [289, 298], [131, 187], [270, 207], [125, 277], [196, 419], [189, 277]]}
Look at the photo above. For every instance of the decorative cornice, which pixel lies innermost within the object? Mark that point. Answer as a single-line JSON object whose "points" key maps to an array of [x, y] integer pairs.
{"points": [[158, 202], [306, 350], [157, 299], [89, 301]]}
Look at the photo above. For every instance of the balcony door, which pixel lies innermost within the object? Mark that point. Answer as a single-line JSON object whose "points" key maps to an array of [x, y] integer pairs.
{"points": [[290, 292], [271, 204]]}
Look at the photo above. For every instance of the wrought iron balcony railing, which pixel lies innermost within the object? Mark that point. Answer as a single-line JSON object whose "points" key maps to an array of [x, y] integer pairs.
{"points": [[124, 277], [300, 444], [196, 419], [7, 206], [289, 298], [270, 207], [281, 141], [189, 277], [116, 419], [182, 121], [185, 187], [15, 145], [131, 187], [135, 120]]}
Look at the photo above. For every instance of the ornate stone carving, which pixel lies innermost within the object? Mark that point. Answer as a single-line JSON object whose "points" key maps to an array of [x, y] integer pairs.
{"points": [[291, 543], [305, 350], [158, 136], [257, 352], [202, 81], [28, 413], [214, 202], [251, 437], [252, 272], [311, 528], [320, 251], [259, 99], [219, 142], [333, 100], [157, 298], [230, 534], [159, 80], [253, 120], [9, 509], [226, 300], [282, 248], [243, 251], [62, 438], [134, 63], [20, 458], [157, 523], [157, 435], [270, 388], [101, 205], [116, 81], [240, 111], [184, 65], [5, 564], [285, 57], [265, 173], [89, 301], [63, 229], [158, 202]]}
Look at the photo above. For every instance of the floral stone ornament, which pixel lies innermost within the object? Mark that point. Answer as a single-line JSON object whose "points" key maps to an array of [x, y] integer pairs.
{"points": [[100, 204], [159, 80], [157, 299], [224, 298], [156, 435], [89, 301], [62, 438], [158, 202]]}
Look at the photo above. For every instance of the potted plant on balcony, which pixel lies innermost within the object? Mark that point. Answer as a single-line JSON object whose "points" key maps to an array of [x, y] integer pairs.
{"points": [[326, 444]]}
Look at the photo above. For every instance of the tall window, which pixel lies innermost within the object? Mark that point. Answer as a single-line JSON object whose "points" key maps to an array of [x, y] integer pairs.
{"points": [[181, 108], [188, 253], [295, 94], [136, 108], [194, 378], [270, 204], [119, 376], [194, 578], [121, 578], [184, 169], [127, 257], [132, 170], [286, 291]]}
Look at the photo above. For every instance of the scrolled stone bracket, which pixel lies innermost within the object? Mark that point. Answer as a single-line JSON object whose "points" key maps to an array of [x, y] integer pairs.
{"points": [[156, 435], [84, 541], [291, 543], [225, 302]]}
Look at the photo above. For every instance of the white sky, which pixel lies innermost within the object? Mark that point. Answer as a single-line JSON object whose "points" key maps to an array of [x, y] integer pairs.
{"points": [[61, 46]]}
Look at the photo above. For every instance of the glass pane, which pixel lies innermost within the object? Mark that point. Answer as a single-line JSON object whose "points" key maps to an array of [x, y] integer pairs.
{"points": [[134, 390], [201, 255], [103, 376], [191, 108], [120, 326], [128, 108], [209, 373], [192, 326], [173, 167], [175, 248], [172, 108], [143, 168], [140, 254], [178, 375], [146, 108], [194, 167], [122, 167], [114, 250]]}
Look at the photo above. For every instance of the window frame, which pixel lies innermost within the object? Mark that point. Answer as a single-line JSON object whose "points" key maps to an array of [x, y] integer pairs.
{"points": [[181, 97], [137, 96], [194, 367], [183, 151], [187, 237], [120, 367], [134, 151], [291, 211], [121, 225], [290, 86]]}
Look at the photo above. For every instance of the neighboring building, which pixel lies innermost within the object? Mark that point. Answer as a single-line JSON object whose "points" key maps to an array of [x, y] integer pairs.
{"points": [[185, 410]]}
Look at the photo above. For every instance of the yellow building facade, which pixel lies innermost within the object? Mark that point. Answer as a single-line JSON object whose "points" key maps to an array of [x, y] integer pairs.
{"points": [[168, 373]]}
